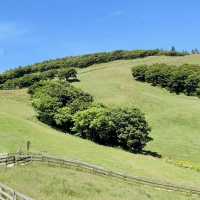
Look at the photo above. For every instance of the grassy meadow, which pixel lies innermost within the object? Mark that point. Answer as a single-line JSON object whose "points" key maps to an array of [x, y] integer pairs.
{"points": [[175, 128], [43, 182], [174, 118]]}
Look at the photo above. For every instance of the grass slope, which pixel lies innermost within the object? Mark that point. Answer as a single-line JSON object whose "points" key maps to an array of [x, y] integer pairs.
{"points": [[43, 182], [174, 118], [18, 125]]}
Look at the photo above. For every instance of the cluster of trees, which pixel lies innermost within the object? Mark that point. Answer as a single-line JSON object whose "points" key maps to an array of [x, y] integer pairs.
{"points": [[63, 106], [125, 127], [80, 62], [68, 74], [195, 51], [178, 79]]}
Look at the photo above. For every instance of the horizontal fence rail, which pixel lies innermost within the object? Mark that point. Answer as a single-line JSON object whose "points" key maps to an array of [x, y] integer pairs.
{"points": [[7, 193], [12, 159]]}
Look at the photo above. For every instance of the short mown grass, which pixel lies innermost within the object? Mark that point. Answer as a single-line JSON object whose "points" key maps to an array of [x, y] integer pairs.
{"points": [[49, 183], [18, 125], [174, 120]]}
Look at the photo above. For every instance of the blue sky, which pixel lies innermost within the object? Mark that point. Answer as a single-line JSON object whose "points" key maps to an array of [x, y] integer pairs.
{"points": [[36, 30]]}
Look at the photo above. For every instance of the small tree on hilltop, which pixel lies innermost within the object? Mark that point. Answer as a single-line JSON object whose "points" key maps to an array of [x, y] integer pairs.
{"points": [[173, 49], [68, 74]]}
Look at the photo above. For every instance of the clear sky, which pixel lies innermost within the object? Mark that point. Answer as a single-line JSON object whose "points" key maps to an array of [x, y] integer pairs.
{"points": [[36, 30]]}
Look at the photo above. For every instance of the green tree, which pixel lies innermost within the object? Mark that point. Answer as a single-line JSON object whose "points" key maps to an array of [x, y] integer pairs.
{"points": [[131, 128], [173, 49], [95, 124], [64, 118], [51, 99], [68, 74], [114, 127]]}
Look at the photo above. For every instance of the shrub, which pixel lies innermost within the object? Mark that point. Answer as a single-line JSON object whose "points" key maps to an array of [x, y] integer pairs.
{"points": [[36, 86], [64, 118], [131, 128], [192, 84], [22, 82], [139, 72], [51, 97], [124, 127], [68, 74], [46, 107], [178, 79], [95, 124], [156, 76], [61, 105]]}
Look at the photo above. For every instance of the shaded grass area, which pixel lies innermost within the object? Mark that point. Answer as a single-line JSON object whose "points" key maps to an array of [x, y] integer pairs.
{"points": [[44, 182]]}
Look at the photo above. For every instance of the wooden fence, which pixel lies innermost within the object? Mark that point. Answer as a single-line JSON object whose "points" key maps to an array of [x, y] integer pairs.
{"points": [[12, 159], [7, 193]]}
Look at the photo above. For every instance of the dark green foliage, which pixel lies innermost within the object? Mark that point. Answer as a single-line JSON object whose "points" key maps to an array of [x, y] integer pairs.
{"points": [[178, 79], [56, 100], [64, 118], [49, 69], [22, 82], [36, 86], [195, 51], [68, 74], [65, 107], [173, 49], [192, 84], [114, 127], [131, 128], [139, 72], [96, 124]]}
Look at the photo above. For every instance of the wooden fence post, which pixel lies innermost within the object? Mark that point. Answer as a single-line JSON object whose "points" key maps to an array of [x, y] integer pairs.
{"points": [[14, 196], [6, 161], [14, 160], [0, 192]]}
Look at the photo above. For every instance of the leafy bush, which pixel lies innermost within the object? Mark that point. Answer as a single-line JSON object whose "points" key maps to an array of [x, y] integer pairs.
{"points": [[67, 74], [192, 84], [64, 118], [55, 100], [61, 105], [139, 72], [95, 124], [22, 82], [178, 79], [131, 128], [114, 127]]}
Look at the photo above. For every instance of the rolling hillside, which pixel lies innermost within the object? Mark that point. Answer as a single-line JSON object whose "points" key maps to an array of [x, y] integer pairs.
{"points": [[174, 121], [174, 118]]}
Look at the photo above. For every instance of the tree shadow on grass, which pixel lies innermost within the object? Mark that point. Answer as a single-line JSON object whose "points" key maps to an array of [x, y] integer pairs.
{"points": [[151, 153], [73, 80]]}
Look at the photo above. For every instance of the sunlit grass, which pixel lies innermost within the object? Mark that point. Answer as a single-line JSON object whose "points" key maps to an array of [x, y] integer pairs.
{"points": [[174, 120], [43, 182]]}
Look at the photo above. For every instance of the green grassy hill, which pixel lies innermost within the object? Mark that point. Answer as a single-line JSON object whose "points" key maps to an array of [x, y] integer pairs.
{"points": [[175, 128], [174, 118]]}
